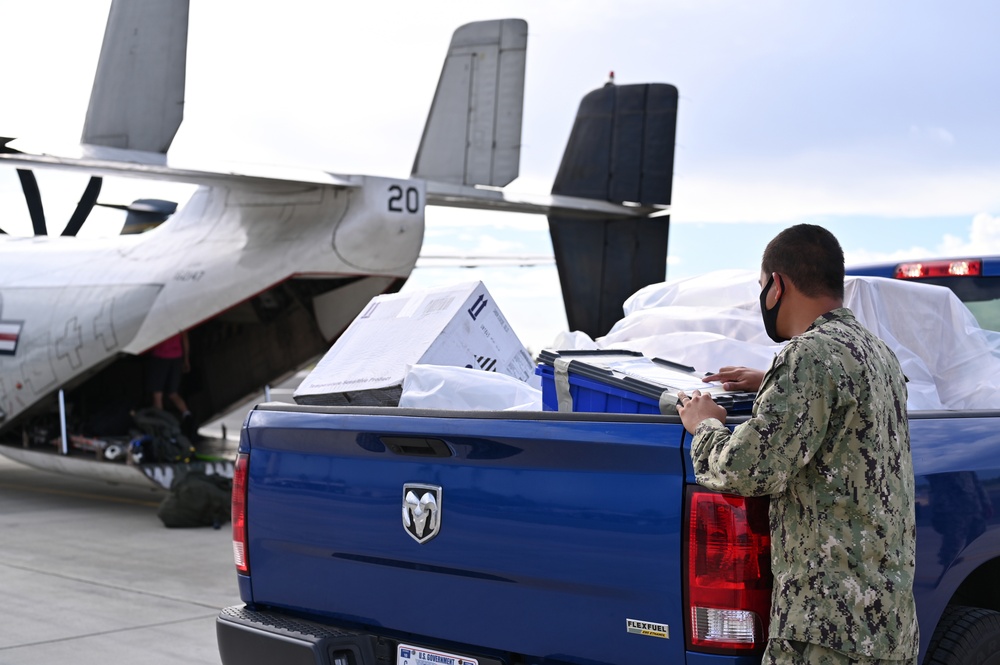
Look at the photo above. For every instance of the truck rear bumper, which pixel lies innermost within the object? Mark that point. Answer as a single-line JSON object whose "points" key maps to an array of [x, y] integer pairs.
{"points": [[247, 636]]}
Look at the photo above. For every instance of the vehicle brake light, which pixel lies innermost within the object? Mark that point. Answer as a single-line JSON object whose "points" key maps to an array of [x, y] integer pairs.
{"points": [[240, 513], [729, 581], [954, 268]]}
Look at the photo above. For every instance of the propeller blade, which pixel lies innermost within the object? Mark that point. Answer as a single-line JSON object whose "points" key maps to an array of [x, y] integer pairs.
{"points": [[29, 185], [84, 206]]}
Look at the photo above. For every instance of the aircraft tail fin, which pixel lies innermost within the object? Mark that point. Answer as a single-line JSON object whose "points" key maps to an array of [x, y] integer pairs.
{"points": [[621, 149], [473, 131], [137, 101]]}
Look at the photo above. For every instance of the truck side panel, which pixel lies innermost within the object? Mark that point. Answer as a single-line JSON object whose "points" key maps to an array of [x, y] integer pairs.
{"points": [[956, 460]]}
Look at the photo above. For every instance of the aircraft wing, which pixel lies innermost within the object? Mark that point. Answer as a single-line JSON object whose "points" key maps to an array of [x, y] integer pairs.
{"points": [[482, 261], [106, 161]]}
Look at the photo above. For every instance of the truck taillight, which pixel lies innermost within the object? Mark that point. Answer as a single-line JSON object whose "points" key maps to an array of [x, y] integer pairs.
{"points": [[952, 268], [240, 513], [729, 581]]}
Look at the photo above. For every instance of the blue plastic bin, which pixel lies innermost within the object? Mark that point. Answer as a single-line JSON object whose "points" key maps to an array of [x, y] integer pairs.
{"points": [[593, 396], [597, 387]]}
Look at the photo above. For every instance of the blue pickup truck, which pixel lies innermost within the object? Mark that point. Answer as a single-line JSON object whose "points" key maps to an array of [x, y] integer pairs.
{"points": [[367, 535]]}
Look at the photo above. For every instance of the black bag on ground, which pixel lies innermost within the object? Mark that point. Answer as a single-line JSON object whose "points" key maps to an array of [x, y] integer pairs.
{"points": [[197, 499], [167, 443]]}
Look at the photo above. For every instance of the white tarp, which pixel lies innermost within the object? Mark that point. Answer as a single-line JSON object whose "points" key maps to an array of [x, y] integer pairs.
{"points": [[714, 320], [463, 389]]}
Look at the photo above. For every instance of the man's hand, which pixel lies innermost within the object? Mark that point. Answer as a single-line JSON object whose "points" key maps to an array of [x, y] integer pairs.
{"points": [[738, 378], [697, 408]]}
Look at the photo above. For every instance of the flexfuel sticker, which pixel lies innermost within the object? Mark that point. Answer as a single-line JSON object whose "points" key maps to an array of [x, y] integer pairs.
{"points": [[648, 628]]}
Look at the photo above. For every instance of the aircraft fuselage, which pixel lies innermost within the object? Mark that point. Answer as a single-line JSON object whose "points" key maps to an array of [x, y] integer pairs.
{"points": [[68, 305]]}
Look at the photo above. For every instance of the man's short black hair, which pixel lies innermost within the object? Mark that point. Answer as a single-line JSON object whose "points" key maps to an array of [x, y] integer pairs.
{"points": [[810, 256]]}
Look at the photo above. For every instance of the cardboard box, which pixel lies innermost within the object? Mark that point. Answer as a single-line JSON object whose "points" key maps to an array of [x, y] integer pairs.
{"points": [[458, 326]]}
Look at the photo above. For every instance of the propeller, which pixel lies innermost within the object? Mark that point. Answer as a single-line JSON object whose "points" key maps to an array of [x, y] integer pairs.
{"points": [[143, 214], [33, 197]]}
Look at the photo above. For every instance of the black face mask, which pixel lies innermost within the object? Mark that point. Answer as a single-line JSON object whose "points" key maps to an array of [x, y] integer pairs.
{"points": [[770, 316]]}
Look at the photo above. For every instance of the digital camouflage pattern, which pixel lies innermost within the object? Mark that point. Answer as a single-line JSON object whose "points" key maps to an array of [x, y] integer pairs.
{"points": [[828, 440], [787, 652]]}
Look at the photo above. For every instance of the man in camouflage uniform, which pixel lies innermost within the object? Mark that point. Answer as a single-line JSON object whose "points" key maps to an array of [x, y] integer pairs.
{"points": [[828, 441]]}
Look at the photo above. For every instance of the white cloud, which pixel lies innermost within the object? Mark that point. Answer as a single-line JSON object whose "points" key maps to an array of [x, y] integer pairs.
{"points": [[984, 238], [864, 256], [829, 184], [934, 135]]}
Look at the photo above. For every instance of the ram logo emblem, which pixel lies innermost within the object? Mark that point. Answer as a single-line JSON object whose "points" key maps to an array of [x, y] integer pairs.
{"points": [[421, 511]]}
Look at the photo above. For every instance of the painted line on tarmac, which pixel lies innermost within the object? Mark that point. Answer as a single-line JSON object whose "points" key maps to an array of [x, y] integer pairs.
{"points": [[106, 585], [70, 638], [80, 495]]}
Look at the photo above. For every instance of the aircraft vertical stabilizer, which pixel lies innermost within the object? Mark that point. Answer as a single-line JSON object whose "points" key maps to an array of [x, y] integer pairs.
{"points": [[473, 132], [137, 101], [621, 149]]}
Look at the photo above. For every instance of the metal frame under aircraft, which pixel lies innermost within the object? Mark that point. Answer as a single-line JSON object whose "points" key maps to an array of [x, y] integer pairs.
{"points": [[265, 267]]}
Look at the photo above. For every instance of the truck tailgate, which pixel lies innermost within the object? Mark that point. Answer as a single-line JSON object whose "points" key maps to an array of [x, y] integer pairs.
{"points": [[554, 529]]}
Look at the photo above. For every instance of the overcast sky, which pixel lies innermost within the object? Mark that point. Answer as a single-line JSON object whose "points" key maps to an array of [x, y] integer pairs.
{"points": [[877, 120]]}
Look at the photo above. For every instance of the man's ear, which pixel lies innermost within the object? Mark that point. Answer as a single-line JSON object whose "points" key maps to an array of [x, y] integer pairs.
{"points": [[779, 286]]}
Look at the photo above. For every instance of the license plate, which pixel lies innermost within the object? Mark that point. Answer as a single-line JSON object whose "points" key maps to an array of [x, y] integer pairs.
{"points": [[411, 655]]}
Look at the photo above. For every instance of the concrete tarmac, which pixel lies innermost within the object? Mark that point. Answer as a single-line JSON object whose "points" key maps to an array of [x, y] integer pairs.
{"points": [[90, 576]]}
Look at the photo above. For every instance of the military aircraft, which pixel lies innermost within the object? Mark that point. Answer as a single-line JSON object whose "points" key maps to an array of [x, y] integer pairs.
{"points": [[264, 267]]}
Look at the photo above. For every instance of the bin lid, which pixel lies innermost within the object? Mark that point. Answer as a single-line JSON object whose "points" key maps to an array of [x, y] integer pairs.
{"points": [[649, 377]]}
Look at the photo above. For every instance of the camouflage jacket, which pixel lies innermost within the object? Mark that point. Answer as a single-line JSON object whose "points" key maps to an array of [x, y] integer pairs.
{"points": [[828, 440]]}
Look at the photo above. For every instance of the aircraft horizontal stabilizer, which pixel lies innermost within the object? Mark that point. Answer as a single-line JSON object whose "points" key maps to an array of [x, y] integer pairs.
{"points": [[457, 196], [479, 261], [473, 131]]}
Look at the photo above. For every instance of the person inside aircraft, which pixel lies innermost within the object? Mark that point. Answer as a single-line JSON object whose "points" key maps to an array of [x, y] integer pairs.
{"points": [[167, 362]]}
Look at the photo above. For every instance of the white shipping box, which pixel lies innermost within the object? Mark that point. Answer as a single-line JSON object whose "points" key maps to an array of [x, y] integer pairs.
{"points": [[458, 326]]}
